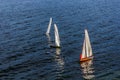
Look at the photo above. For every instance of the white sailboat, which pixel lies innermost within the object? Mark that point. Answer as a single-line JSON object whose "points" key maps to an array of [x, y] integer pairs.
{"points": [[87, 49], [49, 26], [57, 38]]}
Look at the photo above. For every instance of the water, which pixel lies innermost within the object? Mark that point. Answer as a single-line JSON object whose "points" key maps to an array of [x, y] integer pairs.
{"points": [[24, 48]]}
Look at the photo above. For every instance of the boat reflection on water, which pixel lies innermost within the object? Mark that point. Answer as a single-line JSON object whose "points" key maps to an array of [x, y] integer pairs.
{"points": [[49, 39], [59, 64], [59, 59], [87, 69]]}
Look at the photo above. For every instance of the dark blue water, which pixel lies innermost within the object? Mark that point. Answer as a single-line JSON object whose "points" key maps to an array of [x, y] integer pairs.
{"points": [[24, 48]]}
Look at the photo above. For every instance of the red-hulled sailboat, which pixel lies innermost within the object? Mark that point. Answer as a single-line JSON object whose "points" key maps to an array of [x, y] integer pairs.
{"points": [[87, 49]]}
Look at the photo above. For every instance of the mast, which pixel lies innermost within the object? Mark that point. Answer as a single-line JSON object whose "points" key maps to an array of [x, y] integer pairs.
{"points": [[57, 39], [49, 26]]}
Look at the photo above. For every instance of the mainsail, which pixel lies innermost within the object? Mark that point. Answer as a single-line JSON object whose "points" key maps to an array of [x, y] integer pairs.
{"points": [[88, 43], [83, 50], [57, 39], [49, 26]]}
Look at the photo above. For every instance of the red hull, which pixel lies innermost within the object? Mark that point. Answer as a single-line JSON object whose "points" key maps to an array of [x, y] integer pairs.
{"points": [[86, 59]]}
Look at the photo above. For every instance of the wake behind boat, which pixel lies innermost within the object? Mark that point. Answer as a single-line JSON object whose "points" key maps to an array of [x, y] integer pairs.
{"points": [[87, 49]]}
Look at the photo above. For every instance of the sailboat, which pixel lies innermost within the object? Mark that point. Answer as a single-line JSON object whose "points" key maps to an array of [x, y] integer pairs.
{"points": [[49, 26], [57, 38], [87, 49]]}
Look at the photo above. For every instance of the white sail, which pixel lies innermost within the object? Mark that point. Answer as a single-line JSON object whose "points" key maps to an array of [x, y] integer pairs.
{"points": [[83, 50], [89, 49], [86, 47], [49, 26], [57, 39]]}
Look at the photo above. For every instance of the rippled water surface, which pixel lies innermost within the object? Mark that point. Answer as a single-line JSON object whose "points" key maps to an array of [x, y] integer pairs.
{"points": [[24, 48]]}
